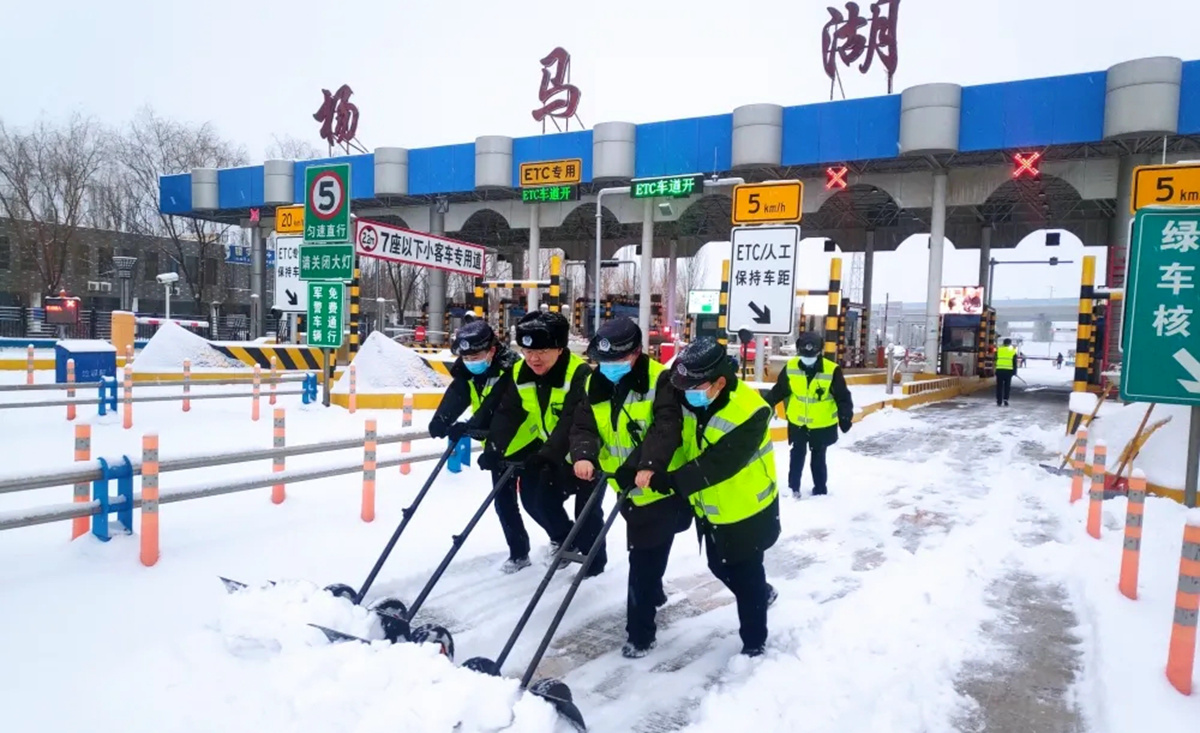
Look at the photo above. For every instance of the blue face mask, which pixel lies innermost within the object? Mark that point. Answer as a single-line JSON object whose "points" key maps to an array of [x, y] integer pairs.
{"points": [[698, 397], [614, 370], [477, 367]]}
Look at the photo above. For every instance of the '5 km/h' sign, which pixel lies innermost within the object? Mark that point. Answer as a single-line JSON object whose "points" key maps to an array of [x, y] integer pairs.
{"points": [[1165, 185], [775, 202], [327, 204]]}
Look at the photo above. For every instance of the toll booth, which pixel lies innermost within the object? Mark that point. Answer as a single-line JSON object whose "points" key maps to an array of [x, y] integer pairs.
{"points": [[967, 344]]}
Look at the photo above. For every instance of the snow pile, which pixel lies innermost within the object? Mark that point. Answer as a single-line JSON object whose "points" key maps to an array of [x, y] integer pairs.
{"points": [[1163, 457], [173, 343], [385, 367]]}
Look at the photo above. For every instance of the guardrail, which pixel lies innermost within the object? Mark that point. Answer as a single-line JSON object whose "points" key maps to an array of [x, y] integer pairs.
{"points": [[928, 385], [102, 471]]}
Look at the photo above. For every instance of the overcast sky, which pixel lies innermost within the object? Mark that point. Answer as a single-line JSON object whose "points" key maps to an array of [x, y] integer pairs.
{"points": [[433, 73]]}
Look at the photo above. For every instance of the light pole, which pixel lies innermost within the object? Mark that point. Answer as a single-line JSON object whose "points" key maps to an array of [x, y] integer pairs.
{"points": [[124, 267]]}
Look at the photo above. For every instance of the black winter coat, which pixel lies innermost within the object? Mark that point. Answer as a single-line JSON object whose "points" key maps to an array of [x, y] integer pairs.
{"points": [[457, 398], [654, 524], [733, 543], [826, 436], [509, 414]]}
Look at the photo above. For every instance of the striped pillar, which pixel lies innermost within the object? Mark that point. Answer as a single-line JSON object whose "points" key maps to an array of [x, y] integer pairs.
{"points": [[555, 275], [577, 316], [864, 343], [1182, 650], [981, 351], [834, 309], [83, 453], [149, 515], [1083, 337], [355, 291], [368, 488], [479, 306], [1131, 554], [1081, 441], [841, 332], [687, 328], [723, 309], [70, 389], [278, 491]]}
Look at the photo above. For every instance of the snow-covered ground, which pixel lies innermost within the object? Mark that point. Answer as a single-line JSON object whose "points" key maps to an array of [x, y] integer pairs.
{"points": [[944, 584]]}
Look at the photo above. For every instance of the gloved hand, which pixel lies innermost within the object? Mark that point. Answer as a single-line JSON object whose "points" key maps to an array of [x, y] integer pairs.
{"points": [[662, 483], [845, 424], [456, 431], [437, 429], [542, 466], [480, 434], [489, 460]]}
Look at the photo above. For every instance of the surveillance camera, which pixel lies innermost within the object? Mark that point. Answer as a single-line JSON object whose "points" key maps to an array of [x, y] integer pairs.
{"points": [[664, 208], [168, 277]]}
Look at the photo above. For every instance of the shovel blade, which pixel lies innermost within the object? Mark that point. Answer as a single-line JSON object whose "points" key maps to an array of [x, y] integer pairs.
{"points": [[337, 637], [233, 586], [557, 693]]}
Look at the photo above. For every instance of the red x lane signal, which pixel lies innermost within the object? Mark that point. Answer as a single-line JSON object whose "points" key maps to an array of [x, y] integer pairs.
{"points": [[1027, 165], [836, 177]]}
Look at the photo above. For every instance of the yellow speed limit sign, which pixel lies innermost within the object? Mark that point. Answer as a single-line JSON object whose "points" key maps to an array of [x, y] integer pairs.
{"points": [[775, 202], [1165, 185], [289, 219]]}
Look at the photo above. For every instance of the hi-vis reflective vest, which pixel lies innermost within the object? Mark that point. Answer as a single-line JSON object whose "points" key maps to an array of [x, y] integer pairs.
{"points": [[750, 490], [539, 425], [804, 407], [478, 396], [617, 445], [1005, 355]]}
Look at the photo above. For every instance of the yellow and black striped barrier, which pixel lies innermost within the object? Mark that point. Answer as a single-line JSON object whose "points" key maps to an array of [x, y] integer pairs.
{"points": [[291, 357], [723, 307], [833, 313]]}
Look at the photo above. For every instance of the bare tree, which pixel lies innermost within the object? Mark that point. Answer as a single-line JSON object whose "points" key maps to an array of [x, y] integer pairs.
{"points": [[291, 148], [152, 147], [408, 285], [45, 175]]}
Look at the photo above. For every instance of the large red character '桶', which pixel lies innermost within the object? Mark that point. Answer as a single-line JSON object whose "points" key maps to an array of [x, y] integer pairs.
{"points": [[338, 116], [559, 98]]}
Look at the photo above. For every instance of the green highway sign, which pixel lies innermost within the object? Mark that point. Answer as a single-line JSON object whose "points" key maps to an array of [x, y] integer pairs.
{"points": [[542, 194], [327, 262], [326, 306], [327, 204], [679, 187], [1162, 329]]}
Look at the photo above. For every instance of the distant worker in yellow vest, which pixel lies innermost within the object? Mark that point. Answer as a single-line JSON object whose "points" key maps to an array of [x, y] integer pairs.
{"points": [[630, 426], [1006, 369], [728, 478], [817, 402]]}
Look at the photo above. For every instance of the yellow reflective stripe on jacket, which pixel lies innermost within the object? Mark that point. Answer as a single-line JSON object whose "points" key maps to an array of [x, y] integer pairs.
{"points": [[477, 396], [751, 489], [1005, 357], [539, 425], [804, 407]]}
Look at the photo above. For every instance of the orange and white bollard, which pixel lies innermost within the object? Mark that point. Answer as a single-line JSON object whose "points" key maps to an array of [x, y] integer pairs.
{"points": [[129, 355], [1131, 555], [1096, 494], [353, 401], [1081, 437], [71, 388], [149, 515], [406, 446], [83, 452], [368, 490], [274, 380], [278, 493], [127, 421], [1182, 650], [187, 385], [29, 365], [255, 393]]}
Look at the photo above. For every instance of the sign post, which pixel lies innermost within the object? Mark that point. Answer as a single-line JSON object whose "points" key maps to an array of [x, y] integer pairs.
{"points": [[326, 307], [762, 280], [1162, 342]]}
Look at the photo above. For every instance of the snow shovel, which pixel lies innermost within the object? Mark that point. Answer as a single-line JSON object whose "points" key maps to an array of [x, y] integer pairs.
{"points": [[396, 618], [555, 691], [1029, 387], [341, 590]]}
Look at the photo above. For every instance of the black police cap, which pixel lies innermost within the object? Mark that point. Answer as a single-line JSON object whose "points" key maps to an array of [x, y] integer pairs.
{"points": [[615, 340]]}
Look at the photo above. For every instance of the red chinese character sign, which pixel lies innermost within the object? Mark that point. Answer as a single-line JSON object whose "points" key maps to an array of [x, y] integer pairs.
{"points": [[339, 119], [559, 97], [843, 40]]}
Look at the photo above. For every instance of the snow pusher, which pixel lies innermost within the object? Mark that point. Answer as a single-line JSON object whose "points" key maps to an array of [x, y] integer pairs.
{"points": [[550, 689], [396, 618], [387, 609]]}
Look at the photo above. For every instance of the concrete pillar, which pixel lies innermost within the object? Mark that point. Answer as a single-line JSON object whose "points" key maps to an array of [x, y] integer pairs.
{"points": [[646, 271], [670, 296], [985, 255], [868, 275], [535, 255], [437, 283], [937, 247]]}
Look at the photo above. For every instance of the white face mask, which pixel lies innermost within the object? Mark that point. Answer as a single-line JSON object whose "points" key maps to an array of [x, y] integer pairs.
{"points": [[808, 360]]}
